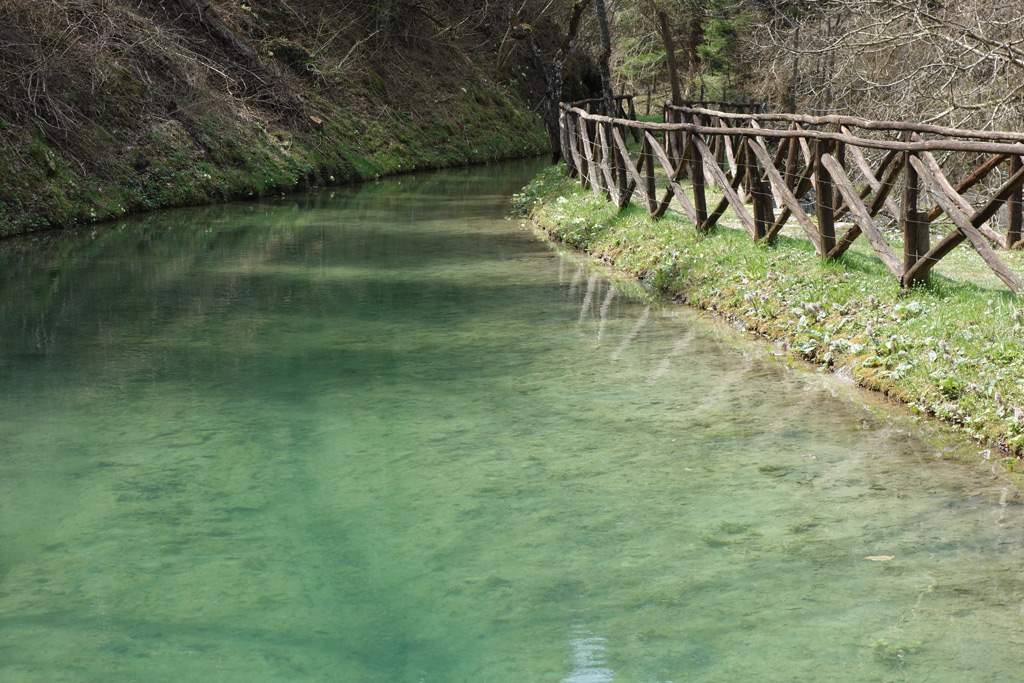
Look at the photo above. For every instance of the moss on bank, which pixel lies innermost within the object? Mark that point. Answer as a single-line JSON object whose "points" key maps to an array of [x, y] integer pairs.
{"points": [[950, 349], [223, 158], [113, 107]]}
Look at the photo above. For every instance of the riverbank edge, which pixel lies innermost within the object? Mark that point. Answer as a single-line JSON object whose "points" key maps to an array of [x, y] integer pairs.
{"points": [[220, 158], [906, 345]]}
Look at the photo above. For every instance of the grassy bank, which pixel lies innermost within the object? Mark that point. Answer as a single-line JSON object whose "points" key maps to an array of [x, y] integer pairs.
{"points": [[113, 107], [221, 157], [951, 348]]}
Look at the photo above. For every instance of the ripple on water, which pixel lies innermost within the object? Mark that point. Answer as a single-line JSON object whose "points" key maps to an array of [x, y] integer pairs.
{"points": [[381, 437]]}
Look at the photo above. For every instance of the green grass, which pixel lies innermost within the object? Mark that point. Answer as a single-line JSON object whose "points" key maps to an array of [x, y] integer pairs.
{"points": [[951, 348]]}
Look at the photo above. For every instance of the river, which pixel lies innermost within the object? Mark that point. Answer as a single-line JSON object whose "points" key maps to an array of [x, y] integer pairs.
{"points": [[380, 433]]}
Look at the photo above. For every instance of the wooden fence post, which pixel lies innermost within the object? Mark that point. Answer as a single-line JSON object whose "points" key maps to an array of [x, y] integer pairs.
{"points": [[840, 155], [672, 146], [748, 185], [908, 213], [914, 224], [567, 157], [651, 189], [607, 163], [700, 202], [637, 133], [589, 156], [621, 177], [792, 177], [764, 215], [577, 148], [1013, 210], [605, 179], [823, 200], [718, 143]]}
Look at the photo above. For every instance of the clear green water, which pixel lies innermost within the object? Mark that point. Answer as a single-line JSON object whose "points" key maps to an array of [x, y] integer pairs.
{"points": [[382, 434]]}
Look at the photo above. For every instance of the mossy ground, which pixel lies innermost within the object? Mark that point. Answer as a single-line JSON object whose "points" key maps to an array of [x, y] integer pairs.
{"points": [[116, 107], [951, 348], [225, 158]]}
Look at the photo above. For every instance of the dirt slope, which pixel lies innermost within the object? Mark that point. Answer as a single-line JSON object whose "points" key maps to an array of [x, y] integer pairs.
{"points": [[113, 106]]}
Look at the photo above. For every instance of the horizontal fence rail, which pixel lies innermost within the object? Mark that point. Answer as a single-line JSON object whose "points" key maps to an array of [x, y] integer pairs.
{"points": [[816, 170], [726, 106]]}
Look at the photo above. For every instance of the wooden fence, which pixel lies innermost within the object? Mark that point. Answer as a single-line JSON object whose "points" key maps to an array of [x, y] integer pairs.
{"points": [[817, 170]]}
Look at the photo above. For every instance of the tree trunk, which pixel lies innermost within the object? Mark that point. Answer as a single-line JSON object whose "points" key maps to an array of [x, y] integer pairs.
{"points": [[608, 101], [791, 100], [694, 38], [552, 70], [670, 58]]}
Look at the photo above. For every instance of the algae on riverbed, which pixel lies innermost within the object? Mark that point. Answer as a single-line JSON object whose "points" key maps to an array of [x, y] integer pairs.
{"points": [[380, 434]]}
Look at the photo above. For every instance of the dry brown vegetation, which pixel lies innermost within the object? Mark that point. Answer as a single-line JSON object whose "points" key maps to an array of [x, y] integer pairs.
{"points": [[955, 62], [951, 62], [112, 106]]}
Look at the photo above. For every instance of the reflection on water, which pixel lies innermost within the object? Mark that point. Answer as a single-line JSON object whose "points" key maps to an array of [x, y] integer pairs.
{"points": [[629, 336], [588, 658], [381, 434]]}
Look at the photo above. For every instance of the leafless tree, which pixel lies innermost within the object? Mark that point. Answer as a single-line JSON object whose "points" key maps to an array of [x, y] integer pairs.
{"points": [[958, 62]]}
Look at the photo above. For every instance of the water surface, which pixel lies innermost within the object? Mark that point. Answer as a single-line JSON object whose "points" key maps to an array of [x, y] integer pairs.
{"points": [[382, 434]]}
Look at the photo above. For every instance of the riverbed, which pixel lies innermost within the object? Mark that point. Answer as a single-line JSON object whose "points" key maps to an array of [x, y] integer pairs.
{"points": [[381, 433]]}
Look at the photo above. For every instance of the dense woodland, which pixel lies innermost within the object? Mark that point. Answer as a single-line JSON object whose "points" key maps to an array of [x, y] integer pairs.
{"points": [[113, 105], [950, 62]]}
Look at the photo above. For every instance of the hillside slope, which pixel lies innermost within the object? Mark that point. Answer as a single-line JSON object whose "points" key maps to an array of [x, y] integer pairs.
{"points": [[113, 106]]}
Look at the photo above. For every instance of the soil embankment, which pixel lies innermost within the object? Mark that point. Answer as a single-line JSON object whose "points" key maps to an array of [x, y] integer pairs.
{"points": [[112, 107]]}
